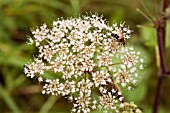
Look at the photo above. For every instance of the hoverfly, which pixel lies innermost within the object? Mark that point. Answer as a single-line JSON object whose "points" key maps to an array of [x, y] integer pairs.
{"points": [[120, 34]]}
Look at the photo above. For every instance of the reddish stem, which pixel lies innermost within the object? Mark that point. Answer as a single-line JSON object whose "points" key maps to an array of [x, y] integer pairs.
{"points": [[162, 69], [161, 33]]}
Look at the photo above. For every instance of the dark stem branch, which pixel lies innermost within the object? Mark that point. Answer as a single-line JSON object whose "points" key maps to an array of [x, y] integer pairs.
{"points": [[160, 25], [158, 94], [165, 5], [161, 33], [162, 69], [161, 36]]}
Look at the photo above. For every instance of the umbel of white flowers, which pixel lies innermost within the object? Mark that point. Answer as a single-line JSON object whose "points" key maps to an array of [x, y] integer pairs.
{"points": [[88, 57]]}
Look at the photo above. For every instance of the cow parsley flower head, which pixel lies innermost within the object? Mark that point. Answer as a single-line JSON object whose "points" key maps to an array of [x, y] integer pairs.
{"points": [[86, 55]]}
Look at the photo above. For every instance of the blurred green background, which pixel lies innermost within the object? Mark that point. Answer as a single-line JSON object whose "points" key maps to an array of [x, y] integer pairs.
{"points": [[19, 94]]}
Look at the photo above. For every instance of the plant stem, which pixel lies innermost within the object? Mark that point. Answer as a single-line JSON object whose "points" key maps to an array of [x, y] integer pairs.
{"points": [[161, 46], [161, 33], [158, 94], [162, 69]]}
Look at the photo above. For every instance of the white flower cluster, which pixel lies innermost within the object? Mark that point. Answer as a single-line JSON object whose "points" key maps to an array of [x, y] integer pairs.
{"points": [[86, 56]]}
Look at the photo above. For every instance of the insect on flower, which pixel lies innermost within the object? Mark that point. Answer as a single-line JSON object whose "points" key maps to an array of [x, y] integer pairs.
{"points": [[121, 33]]}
